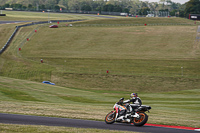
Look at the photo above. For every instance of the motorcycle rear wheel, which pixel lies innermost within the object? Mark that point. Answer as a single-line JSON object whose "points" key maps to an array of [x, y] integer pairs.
{"points": [[110, 118], [141, 120]]}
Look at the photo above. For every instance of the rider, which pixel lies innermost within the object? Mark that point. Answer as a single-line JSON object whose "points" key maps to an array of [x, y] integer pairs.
{"points": [[134, 99]]}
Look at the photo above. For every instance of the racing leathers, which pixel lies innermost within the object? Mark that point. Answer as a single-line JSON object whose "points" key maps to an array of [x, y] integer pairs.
{"points": [[134, 100], [125, 108]]}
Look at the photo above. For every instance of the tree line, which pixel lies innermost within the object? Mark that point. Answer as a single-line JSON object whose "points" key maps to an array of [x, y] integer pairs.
{"points": [[134, 7]]}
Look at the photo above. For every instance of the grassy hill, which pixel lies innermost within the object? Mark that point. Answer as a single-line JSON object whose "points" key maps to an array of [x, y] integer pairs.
{"points": [[140, 20], [33, 98], [137, 57], [159, 62]]}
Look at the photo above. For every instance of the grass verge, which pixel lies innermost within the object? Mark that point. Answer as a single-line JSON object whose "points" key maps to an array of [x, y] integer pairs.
{"points": [[11, 128]]}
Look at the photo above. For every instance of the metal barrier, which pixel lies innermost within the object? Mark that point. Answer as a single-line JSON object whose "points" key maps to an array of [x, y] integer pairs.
{"points": [[33, 23], [9, 40]]}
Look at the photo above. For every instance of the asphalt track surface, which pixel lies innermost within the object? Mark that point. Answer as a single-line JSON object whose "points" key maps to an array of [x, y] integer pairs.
{"points": [[65, 122], [12, 22]]}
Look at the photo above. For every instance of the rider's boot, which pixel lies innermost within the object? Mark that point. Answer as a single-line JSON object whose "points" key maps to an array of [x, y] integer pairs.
{"points": [[121, 118], [127, 114], [134, 114], [128, 120]]}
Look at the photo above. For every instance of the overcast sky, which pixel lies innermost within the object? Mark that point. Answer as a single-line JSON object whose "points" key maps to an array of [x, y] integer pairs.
{"points": [[177, 1]]}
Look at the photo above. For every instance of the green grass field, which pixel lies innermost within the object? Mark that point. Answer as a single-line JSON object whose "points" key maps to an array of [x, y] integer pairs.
{"points": [[159, 62]]}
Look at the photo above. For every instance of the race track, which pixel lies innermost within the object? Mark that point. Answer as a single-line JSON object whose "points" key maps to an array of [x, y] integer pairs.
{"points": [[12, 22], [51, 121]]}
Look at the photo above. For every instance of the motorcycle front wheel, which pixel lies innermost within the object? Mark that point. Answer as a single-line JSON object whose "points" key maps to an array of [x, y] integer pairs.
{"points": [[141, 120], [110, 118]]}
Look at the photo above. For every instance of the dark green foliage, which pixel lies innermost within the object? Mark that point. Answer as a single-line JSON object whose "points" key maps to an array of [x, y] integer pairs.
{"points": [[143, 11], [192, 7], [108, 8], [86, 8]]}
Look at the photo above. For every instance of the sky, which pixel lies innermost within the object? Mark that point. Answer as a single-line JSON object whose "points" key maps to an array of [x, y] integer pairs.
{"points": [[177, 1]]}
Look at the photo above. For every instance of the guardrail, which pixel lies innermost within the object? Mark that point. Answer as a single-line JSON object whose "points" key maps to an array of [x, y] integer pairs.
{"points": [[33, 23], [9, 40]]}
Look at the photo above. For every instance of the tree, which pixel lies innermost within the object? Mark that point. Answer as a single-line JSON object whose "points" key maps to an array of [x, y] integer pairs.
{"points": [[131, 6], [153, 6], [117, 8], [143, 11], [56, 7], [42, 7], [169, 2], [86, 7], [51, 4], [173, 12], [162, 1], [134, 7], [97, 5], [181, 14], [126, 10], [16, 6], [24, 7], [74, 4], [108, 8], [144, 4], [30, 6], [174, 6], [64, 4], [7, 5], [192, 7]]}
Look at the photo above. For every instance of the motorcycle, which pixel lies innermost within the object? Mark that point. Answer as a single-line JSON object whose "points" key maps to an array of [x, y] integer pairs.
{"points": [[134, 114]]}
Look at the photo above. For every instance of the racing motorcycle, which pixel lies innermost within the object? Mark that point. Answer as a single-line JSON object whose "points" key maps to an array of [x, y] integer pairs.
{"points": [[135, 114]]}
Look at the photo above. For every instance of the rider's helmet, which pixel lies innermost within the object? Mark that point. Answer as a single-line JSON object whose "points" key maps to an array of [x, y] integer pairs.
{"points": [[133, 95]]}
